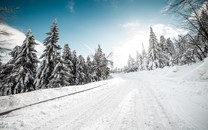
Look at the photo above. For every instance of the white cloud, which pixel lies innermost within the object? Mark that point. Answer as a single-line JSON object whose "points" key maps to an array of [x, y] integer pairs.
{"points": [[130, 25], [135, 36], [15, 38], [70, 5], [167, 30]]}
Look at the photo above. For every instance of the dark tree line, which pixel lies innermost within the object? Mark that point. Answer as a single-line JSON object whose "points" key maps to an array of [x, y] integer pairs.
{"points": [[22, 73]]}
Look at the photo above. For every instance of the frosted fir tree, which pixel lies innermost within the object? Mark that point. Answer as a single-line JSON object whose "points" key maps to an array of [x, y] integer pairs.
{"points": [[144, 65], [23, 74], [90, 73], [48, 57], [74, 67], [60, 75], [97, 60], [131, 64], [170, 51], [6, 70], [67, 57], [105, 69], [81, 76], [162, 42], [100, 62], [138, 62], [154, 55]]}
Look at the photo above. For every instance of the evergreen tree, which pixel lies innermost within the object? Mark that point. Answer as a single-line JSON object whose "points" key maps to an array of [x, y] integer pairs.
{"points": [[81, 77], [170, 51], [154, 57], [74, 68], [89, 71], [162, 42], [138, 63], [60, 75], [105, 70], [100, 62], [131, 64], [6, 70], [144, 65], [67, 57], [25, 64], [50, 54]]}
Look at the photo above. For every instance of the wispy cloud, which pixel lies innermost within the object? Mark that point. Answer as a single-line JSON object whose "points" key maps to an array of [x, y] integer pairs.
{"points": [[71, 5], [130, 25]]}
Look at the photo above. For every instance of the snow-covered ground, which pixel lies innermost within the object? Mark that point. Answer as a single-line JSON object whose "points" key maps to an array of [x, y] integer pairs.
{"points": [[164, 99]]}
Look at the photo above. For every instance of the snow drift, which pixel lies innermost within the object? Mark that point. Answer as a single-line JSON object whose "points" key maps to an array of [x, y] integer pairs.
{"points": [[200, 73]]}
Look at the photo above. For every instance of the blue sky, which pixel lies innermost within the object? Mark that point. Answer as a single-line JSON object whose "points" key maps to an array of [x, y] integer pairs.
{"points": [[86, 23]]}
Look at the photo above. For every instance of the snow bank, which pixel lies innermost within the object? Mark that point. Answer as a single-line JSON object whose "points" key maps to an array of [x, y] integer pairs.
{"points": [[199, 73], [22, 99]]}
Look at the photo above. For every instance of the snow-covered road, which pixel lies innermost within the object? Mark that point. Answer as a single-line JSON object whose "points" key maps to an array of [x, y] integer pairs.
{"points": [[135, 101]]}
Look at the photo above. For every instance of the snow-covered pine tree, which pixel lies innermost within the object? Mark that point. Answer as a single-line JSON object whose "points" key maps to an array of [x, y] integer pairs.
{"points": [[60, 75], [67, 57], [15, 51], [162, 42], [105, 70], [100, 62], [144, 65], [89, 71], [50, 54], [81, 76], [138, 62], [131, 64], [6, 70], [163, 52], [154, 56], [170, 50], [74, 68], [25, 65]]}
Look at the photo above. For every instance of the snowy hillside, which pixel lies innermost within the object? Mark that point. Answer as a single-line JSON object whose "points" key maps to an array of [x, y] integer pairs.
{"points": [[14, 38], [162, 99]]}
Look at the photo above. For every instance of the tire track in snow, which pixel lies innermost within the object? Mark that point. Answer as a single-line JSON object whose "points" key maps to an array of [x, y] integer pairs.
{"points": [[154, 116], [89, 113], [126, 118]]}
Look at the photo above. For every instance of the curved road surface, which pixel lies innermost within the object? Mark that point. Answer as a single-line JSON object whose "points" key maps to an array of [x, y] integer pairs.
{"points": [[142, 103]]}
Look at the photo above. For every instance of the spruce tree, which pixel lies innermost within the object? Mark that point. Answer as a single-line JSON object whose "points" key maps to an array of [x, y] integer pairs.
{"points": [[162, 42], [23, 74], [48, 57], [80, 77], [154, 56], [89, 70], [6, 71], [100, 62], [60, 75], [170, 51], [105, 70], [74, 67], [144, 65], [67, 57]]}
